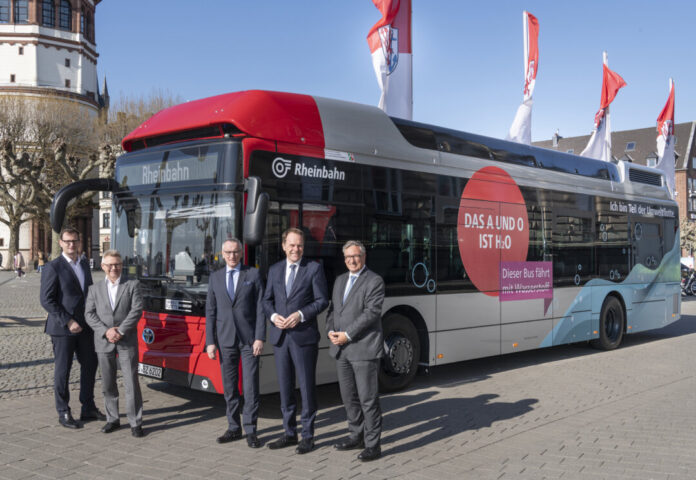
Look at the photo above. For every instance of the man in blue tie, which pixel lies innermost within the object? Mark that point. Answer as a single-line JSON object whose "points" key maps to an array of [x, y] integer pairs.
{"points": [[354, 327], [236, 326], [296, 294]]}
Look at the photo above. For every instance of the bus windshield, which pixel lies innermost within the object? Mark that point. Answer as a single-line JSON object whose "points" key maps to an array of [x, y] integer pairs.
{"points": [[171, 243]]}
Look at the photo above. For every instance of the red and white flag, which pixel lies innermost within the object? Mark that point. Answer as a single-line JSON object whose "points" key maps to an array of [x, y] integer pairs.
{"points": [[599, 146], [521, 129], [390, 45], [665, 139]]}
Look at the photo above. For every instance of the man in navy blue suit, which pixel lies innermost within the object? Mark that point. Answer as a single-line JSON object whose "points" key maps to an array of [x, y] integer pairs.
{"points": [[235, 325], [64, 284], [296, 292]]}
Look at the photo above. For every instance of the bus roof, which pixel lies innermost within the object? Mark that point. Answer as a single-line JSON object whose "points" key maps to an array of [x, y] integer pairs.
{"points": [[352, 128]]}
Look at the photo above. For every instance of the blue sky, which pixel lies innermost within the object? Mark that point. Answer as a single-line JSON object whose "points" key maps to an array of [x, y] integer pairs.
{"points": [[467, 56]]}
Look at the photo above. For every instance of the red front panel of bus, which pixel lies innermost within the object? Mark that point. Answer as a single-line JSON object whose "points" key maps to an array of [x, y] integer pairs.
{"points": [[177, 345]]}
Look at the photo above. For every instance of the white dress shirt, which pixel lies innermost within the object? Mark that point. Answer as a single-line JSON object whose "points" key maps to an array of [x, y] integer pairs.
{"points": [[235, 277], [77, 268], [287, 275]]}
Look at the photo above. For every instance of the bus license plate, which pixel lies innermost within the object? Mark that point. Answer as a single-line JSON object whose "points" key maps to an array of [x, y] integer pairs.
{"points": [[149, 370]]}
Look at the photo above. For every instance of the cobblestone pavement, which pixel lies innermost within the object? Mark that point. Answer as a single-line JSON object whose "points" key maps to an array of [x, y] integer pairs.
{"points": [[564, 412]]}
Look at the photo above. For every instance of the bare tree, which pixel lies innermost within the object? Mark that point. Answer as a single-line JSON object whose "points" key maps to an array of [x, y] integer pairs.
{"points": [[46, 144]]}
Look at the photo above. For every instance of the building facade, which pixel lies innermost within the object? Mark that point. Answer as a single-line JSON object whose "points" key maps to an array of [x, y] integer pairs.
{"points": [[48, 50]]}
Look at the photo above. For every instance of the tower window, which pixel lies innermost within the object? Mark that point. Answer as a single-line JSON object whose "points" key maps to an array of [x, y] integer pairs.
{"points": [[21, 50], [48, 13], [12, 78], [65, 15], [21, 11], [67, 62], [67, 83], [4, 11]]}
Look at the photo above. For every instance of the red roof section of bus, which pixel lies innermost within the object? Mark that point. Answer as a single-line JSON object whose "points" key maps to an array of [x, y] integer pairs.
{"points": [[278, 116]]}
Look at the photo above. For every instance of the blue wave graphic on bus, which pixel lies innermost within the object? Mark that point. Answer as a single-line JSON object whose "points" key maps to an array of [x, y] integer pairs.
{"points": [[638, 299]]}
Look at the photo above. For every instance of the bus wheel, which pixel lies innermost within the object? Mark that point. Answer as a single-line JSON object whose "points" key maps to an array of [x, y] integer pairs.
{"points": [[401, 353], [611, 325]]}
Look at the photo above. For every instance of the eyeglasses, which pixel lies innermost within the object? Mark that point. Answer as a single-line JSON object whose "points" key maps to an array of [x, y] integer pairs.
{"points": [[70, 241], [352, 257], [232, 252], [111, 266]]}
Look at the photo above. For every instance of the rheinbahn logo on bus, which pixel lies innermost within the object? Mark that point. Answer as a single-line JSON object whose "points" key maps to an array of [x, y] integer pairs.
{"points": [[282, 166]]}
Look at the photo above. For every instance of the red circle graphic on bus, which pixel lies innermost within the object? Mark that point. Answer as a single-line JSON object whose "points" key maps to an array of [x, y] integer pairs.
{"points": [[492, 227]]}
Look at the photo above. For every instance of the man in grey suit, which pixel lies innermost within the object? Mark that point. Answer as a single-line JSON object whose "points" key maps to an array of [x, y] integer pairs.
{"points": [[235, 324], [355, 329], [113, 309]]}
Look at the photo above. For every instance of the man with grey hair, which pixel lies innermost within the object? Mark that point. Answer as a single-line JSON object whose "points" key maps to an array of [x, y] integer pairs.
{"points": [[113, 310], [354, 327], [236, 326]]}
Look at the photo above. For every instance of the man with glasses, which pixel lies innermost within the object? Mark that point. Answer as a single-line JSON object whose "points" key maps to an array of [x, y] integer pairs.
{"points": [[64, 284], [354, 326], [235, 325], [113, 309]]}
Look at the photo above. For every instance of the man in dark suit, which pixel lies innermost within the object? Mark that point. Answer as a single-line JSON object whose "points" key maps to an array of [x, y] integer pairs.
{"points": [[64, 284], [113, 310], [236, 326], [296, 293], [354, 328]]}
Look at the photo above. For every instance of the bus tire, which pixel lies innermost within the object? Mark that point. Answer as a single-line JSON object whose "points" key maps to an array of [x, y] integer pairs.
{"points": [[401, 353], [612, 321]]}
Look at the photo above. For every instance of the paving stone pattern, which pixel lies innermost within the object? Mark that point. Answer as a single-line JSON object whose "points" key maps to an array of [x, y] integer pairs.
{"points": [[566, 412]]}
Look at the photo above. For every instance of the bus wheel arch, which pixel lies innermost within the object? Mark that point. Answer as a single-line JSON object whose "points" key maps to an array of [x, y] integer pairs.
{"points": [[405, 346], [612, 322]]}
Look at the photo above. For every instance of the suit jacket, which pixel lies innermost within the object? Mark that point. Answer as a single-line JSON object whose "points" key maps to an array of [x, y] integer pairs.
{"points": [[125, 315], [62, 297], [309, 295], [360, 317], [229, 322]]}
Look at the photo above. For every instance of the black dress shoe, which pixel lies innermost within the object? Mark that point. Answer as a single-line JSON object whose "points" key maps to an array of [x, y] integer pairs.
{"points": [[111, 427], [370, 453], [282, 442], [253, 441], [92, 415], [305, 446], [67, 420], [350, 444], [137, 432], [229, 436]]}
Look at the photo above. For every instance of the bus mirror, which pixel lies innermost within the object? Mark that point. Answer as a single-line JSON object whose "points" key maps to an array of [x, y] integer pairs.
{"points": [[255, 214], [75, 189]]}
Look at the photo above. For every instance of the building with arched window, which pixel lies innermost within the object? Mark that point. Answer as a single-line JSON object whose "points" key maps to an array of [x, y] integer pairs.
{"points": [[48, 50]]}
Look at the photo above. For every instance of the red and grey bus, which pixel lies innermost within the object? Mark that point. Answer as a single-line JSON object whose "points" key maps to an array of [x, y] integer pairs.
{"points": [[486, 247]]}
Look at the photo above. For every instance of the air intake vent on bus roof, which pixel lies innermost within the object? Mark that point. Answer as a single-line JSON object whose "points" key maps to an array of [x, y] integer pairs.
{"points": [[641, 176]]}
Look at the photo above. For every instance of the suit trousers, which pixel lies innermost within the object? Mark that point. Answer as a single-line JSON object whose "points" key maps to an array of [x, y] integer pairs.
{"points": [[229, 364], [292, 359], [64, 349], [128, 361], [358, 382]]}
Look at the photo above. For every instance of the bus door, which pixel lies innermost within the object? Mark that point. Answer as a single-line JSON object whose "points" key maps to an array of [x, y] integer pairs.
{"points": [[648, 303], [573, 241]]}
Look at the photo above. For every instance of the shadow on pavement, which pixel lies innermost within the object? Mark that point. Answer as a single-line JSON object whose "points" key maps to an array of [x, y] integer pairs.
{"points": [[439, 419]]}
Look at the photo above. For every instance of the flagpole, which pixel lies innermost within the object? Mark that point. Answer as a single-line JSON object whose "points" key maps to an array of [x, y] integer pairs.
{"points": [[607, 122], [525, 42]]}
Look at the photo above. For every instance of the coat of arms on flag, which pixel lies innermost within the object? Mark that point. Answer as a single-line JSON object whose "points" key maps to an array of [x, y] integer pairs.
{"points": [[389, 40]]}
